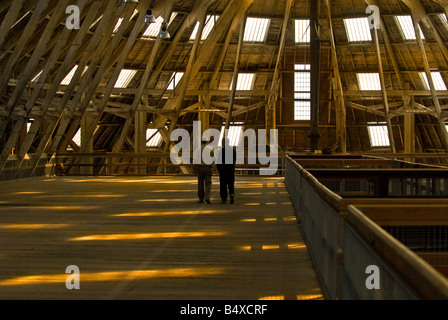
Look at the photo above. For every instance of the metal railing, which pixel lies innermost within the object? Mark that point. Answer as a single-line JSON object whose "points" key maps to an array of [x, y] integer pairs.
{"points": [[343, 243]]}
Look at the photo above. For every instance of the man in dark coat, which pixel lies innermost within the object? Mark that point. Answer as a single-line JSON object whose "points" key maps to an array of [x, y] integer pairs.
{"points": [[226, 168]]}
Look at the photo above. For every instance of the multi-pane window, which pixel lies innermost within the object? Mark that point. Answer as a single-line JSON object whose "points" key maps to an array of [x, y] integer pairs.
{"points": [[406, 25], [245, 82], [256, 29], [153, 29], [302, 31], [437, 79], [379, 136], [209, 25], [302, 92], [70, 75], [77, 138], [125, 78], [120, 21], [235, 133], [175, 79], [369, 81], [153, 138], [358, 29]]}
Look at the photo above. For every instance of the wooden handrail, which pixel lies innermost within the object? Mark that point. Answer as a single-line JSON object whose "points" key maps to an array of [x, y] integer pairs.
{"points": [[418, 274]]}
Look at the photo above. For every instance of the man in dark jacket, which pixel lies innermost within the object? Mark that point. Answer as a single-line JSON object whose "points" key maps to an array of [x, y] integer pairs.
{"points": [[226, 168]]}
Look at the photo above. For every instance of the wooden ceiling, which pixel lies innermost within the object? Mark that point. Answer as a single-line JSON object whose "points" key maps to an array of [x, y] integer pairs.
{"points": [[34, 37]]}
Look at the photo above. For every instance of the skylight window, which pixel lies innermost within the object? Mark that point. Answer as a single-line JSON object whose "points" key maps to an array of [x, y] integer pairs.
{"points": [[209, 25], [175, 79], [125, 78], [77, 138], [407, 27], [358, 29], [153, 138], [379, 136], [439, 84], [245, 82], [235, 134], [444, 19], [256, 29], [120, 21], [70, 75], [153, 29], [302, 28], [369, 81], [302, 92]]}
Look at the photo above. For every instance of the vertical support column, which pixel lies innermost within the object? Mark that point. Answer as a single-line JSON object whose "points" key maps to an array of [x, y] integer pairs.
{"points": [[435, 98], [341, 112], [409, 126], [383, 90], [87, 143], [315, 73], [141, 126]]}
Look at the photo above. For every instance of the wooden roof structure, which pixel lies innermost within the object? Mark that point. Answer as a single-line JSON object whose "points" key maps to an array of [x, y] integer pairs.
{"points": [[41, 43]]}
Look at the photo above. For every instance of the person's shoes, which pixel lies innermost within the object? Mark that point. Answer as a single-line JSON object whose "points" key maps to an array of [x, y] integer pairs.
{"points": [[201, 201], [223, 201], [232, 199], [208, 201]]}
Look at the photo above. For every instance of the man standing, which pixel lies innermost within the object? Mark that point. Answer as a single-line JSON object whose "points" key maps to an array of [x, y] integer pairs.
{"points": [[205, 172], [226, 168]]}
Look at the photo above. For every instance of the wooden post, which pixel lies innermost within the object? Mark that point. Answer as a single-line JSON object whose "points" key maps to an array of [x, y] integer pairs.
{"points": [[435, 98], [86, 144], [383, 90], [315, 73], [235, 72], [341, 113], [141, 125]]}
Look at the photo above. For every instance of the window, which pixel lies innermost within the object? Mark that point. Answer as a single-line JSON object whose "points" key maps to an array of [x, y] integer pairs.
{"points": [[175, 79], [379, 136], [369, 81], [125, 78], [153, 138], [439, 84], [407, 27], [358, 29], [70, 75], [444, 19], [256, 29], [209, 25], [245, 82], [235, 133], [77, 138], [302, 28], [120, 21], [302, 92], [153, 29]]}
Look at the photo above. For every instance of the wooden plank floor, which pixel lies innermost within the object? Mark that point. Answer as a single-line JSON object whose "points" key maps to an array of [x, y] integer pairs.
{"points": [[147, 238]]}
